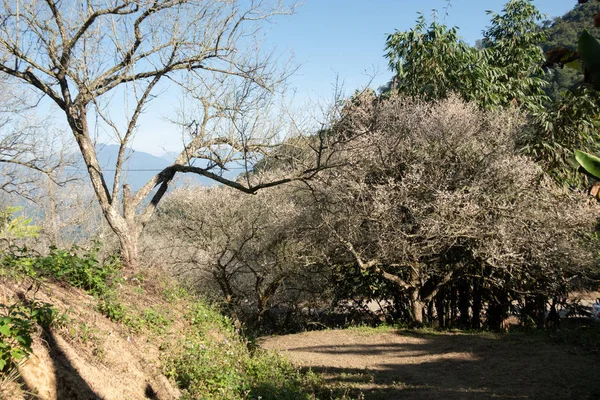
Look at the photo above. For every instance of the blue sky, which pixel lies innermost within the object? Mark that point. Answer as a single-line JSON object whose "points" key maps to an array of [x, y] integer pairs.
{"points": [[345, 39]]}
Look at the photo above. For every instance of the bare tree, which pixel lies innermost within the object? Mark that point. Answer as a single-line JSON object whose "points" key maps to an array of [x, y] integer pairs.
{"points": [[31, 150], [79, 53], [437, 194], [252, 250]]}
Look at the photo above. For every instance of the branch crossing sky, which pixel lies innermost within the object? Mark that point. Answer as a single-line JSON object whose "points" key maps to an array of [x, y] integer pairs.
{"points": [[344, 39]]}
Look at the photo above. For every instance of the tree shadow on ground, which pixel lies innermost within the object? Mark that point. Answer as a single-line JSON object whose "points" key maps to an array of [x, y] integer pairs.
{"points": [[69, 382], [422, 365]]}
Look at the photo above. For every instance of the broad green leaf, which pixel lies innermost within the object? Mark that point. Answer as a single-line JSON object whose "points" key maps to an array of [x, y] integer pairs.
{"points": [[573, 162], [589, 162], [5, 330]]}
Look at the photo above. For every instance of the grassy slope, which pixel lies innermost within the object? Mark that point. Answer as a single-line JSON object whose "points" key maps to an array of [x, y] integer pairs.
{"points": [[135, 336]]}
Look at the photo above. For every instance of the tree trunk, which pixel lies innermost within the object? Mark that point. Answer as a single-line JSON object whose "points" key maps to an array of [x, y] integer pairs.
{"points": [[129, 250], [124, 226], [497, 310], [417, 308], [464, 304], [477, 304], [439, 306]]}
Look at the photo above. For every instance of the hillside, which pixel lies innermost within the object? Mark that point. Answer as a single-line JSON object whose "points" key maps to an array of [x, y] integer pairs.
{"points": [[102, 333], [564, 31], [138, 335], [90, 356]]}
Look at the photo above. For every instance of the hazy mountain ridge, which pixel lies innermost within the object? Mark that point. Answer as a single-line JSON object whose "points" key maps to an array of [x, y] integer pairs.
{"points": [[140, 167]]}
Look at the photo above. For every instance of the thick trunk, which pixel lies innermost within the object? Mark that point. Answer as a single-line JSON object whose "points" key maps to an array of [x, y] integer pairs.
{"points": [[124, 226], [497, 311], [417, 308], [441, 309], [129, 249]]}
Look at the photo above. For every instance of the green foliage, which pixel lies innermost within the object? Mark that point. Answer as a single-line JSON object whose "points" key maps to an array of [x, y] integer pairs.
{"points": [[431, 61], [16, 227], [17, 326], [587, 61], [589, 51], [568, 123], [78, 267], [563, 33], [512, 47], [213, 362], [111, 307], [15, 329], [154, 320]]}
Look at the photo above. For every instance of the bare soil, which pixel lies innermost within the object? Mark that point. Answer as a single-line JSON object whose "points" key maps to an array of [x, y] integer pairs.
{"points": [[404, 364], [89, 357]]}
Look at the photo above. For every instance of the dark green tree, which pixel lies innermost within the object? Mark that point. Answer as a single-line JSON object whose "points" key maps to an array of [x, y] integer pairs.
{"points": [[511, 45], [563, 33], [430, 61]]}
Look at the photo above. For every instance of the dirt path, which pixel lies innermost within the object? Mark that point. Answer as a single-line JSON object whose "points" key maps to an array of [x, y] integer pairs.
{"points": [[421, 365]]}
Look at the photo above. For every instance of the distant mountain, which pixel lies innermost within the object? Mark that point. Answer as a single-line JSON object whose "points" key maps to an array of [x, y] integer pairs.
{"points": [[140, 167], [170, 155]]}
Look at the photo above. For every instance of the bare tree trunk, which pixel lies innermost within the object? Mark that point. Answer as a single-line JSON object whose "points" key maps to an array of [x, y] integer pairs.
{"points": [[417, 307], [439, 305], [51, 215], [68, 58], [477, 303], [129, 249], [464, 303]]}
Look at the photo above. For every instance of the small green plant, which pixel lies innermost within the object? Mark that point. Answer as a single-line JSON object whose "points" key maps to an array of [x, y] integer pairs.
{"points": [[17, 324], [16, 329], [84, 333], [110, 306], [16, 227], [213, 362], [156, 321], [172, 293]]}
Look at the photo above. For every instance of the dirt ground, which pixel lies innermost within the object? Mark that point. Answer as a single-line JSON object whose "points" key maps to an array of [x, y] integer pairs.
{"points": [[88, 358], [402, 364]]}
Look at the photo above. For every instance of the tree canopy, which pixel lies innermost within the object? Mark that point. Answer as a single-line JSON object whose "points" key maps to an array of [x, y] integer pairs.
{"points": [[432, 61]]}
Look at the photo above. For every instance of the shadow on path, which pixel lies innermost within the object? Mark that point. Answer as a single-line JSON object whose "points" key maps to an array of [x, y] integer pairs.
{"points": [[69, 383], [421, 365]]}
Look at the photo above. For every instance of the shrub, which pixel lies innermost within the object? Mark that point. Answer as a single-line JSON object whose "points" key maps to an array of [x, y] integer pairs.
{"points": [[213, 362], [78, 267], [437, 200], [17, 324], [251, 252]]}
